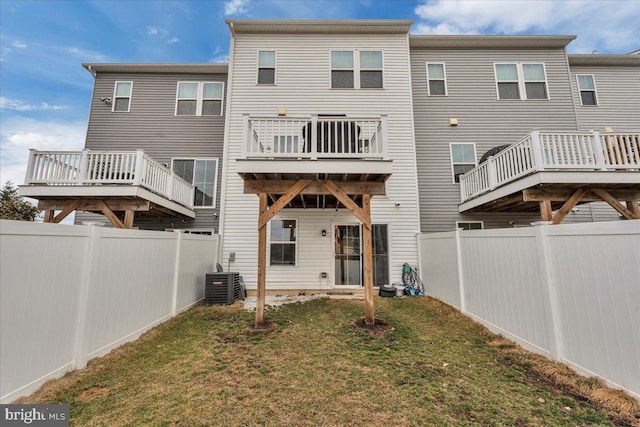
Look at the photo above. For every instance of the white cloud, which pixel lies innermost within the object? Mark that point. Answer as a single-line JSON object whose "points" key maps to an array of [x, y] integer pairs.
{"points": [[18, 44], [610, 26], [173, 40], [235, 7], [19, 135], [17, 105], [155, 31]]}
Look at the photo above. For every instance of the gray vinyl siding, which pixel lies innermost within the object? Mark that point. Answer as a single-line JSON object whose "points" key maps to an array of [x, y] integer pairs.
{"points": [[483, 120], [151, 125]]}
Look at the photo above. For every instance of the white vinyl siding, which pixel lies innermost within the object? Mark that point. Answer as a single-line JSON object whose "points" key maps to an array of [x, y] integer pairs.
{"points": [[526, 81], [463, 159], [267, 60], [357, 69], [199, 99], [283, 242], [122, 97], [587, 88], [203, 174], [436, 79]]}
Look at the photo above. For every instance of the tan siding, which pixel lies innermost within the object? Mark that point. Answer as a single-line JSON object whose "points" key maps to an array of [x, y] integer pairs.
{"points": [[483, 120], [303, 78], [151, 125]]}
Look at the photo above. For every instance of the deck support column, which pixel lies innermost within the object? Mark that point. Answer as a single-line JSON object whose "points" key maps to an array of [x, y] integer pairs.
{"points": [[546, 212], [634, 207], [369, 309], [262, 261]]}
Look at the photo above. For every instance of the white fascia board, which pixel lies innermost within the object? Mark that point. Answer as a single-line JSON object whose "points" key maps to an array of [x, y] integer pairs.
{"points": [[315, 166]]}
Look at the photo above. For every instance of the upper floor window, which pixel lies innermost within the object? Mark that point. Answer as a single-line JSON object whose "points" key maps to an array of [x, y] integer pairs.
{"points": [[266, 67], [463, 159], [122, 97], [283, 241], [587, 88], [362, 71], [436, 80], [202, 174], [521, 81], [199, 98]]}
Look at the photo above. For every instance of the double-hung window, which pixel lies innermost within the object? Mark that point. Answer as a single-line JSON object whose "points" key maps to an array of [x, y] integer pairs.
{"points": [[463, 159], [266, 67], [356, 69], [587, 88], [122, 97], [199, 98], [283, 241], [202, 174], [436, 80], [521, 81]]}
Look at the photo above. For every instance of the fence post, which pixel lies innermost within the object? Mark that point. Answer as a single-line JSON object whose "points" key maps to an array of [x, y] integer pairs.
{"points": [[138, 176], [536, 148], [84, 166], [549, 288], [492, 173], [176, 274], [463, 304], [598, 150], [81, 351], [170, 182]]}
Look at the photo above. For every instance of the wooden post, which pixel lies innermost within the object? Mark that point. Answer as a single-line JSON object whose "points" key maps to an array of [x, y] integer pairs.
{"points": [[569, 204], [48, 215], [128, 218], [369, 310], [545, 210], [262, 261], [633, 207]]}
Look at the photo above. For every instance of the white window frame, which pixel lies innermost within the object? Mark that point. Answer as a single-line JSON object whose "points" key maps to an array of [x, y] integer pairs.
{"points": [[595, 90], [215, 183], [522, 88], [270, 241], [199, 99], [194, 231], [275, 67], [470, 222], [357, 69], [475, 159], [115, 90], [444, 79]]}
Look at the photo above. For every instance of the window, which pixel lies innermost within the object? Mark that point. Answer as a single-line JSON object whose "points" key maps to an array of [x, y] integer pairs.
{"points": [[199, 231], [521, 81], [122, 97], [380, 243], [470, 225], [463, 159], [587, 88], [199, 99], [283, 241], [266, 67], [202, 174], [436, 81], [362, 71]]}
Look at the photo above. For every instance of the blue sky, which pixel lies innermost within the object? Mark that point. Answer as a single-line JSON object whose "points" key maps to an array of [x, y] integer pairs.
{"points": [[45, 93]]}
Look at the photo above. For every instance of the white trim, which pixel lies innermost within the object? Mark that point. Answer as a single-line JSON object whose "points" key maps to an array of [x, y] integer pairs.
{"points": [[475, 158], [130, 97], [444, 78], [215, 182], [356, 69], [275, 68], [522, 88], [199, 98], [595, 90], [295, 242], [360, 69], [470, 222]]}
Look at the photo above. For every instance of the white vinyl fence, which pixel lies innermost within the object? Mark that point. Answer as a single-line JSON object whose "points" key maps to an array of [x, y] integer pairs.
{"points": [[69, 293], [570, 292]]}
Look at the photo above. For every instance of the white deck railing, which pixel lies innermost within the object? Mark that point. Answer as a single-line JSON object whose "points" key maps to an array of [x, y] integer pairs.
{"points": [[314, 137], [553, 151], [107, 167]]}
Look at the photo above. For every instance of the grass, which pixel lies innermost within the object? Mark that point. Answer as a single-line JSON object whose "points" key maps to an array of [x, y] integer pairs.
{"points": [[313, 367]]}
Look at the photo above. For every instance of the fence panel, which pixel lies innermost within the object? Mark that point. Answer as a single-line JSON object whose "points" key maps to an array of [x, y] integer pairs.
{"points": [[69, 293], [439, 257]]}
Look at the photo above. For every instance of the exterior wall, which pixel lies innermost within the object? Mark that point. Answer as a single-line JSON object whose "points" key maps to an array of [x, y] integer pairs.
{"points": [[303, 88], [483, 120], [151, 125]]}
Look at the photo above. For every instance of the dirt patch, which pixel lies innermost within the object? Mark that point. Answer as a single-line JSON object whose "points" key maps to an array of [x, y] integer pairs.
{"points": [[92, 393], [267, 327], [379, 328]]}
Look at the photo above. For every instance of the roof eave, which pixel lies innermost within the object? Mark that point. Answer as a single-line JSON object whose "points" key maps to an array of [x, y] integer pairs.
{"points": [[489, 42], [313, 26], [604, 60], [203, 68]]}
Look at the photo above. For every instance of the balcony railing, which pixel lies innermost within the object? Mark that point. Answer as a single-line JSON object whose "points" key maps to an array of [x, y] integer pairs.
{"points": [[107, 167], [553, 151], [314, 137]]}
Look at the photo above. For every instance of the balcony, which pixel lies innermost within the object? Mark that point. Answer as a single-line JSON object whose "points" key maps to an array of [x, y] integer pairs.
{"points": [[551, 165], [89, 180]]}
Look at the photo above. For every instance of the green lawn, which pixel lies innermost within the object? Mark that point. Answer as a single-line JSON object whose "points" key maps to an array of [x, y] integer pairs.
{"points": [[312, 367]]}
